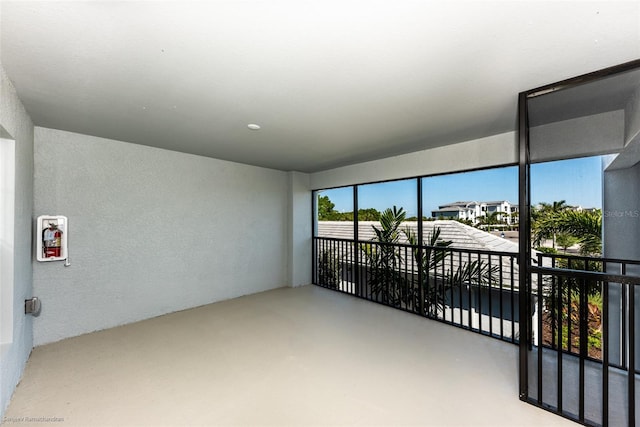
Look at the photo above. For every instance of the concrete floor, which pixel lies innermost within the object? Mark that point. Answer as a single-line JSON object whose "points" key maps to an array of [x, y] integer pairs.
{"points": [[304, 356]]}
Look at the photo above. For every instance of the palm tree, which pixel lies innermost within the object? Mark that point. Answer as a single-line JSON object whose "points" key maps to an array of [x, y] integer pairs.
{"points": [[329, 269], [586, 226], [430, 259], [384, 260], [545, 221], [515, 217], [557, 206], [564, 240], [429, 298], [393, 286], [490, 219]]}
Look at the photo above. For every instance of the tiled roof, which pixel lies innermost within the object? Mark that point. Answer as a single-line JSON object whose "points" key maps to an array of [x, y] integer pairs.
{"points": [[461, 235], [474, 203], [463, 204], [450, 208]]}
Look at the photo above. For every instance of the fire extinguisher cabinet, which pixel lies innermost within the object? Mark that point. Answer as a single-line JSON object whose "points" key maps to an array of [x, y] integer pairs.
{"points": [[51, 238]]}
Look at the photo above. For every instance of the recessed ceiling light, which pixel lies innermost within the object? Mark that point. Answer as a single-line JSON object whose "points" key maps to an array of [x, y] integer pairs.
{"points": [[253, 126]]}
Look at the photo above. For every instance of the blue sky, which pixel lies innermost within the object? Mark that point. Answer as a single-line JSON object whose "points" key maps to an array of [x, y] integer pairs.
{"points": [[578, 181]]}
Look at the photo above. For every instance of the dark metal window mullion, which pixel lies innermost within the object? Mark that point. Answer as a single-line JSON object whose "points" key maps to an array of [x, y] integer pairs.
{"points": [[490, 287], [420, 250], [451, 277], [524, 228], [556, 318], [631, 384], [314, 249], [356, 248], [460, 285], [479, 279], [624, 317], [513, 303], [500, 279], [469, 294], [605, 350]]}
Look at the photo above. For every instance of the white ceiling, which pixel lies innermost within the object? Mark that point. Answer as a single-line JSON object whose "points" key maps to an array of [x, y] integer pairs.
{"points": [[330, 82]]}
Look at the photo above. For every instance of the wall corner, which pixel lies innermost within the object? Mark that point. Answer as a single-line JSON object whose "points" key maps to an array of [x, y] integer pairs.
{"points": [[299, 230]]}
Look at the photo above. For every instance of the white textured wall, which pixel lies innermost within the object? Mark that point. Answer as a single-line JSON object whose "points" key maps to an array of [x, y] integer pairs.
{"points": [[13, 355], [632, 117], [151, 231], [621, 213], [495, 150], [621, 228], [299, 223], [621, 208], [583, 136]]}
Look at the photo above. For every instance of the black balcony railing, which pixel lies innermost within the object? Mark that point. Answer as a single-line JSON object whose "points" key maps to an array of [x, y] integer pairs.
{"points": [[583, 360], [565, 295], [472, 289]]}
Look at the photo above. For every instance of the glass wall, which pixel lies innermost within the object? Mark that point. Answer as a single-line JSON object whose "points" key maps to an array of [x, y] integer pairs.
{"points": [[563, 190], [373, 199], [334, 213], [448, 265], [486, 199]]}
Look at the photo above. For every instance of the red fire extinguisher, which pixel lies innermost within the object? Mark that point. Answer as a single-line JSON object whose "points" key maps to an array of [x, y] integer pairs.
{"points": [[51, 241]]}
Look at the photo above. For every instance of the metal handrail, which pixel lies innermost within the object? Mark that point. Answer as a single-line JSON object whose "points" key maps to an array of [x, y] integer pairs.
{"points": [[588, 258], [583, 274], [489, 308]]}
